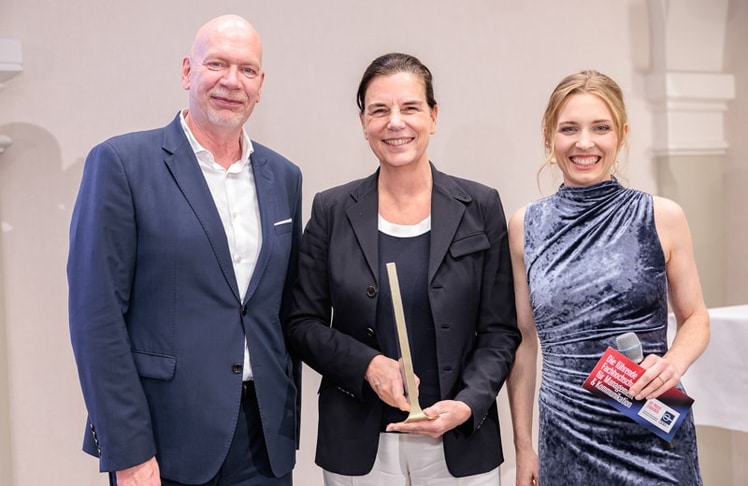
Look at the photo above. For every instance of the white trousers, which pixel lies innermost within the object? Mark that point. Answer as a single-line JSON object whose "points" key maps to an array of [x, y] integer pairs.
{"points": [[411, 460]]}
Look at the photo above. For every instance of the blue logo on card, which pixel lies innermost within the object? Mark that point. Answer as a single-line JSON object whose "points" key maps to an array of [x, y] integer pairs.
{"points": [[667, 418]]}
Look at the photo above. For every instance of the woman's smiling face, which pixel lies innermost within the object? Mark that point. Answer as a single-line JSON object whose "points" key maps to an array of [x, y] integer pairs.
{"points": [[397, 120], [585, 143]]}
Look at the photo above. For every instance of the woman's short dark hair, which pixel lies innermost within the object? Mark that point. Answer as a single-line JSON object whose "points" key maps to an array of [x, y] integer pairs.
{"points": [[393, 63]]}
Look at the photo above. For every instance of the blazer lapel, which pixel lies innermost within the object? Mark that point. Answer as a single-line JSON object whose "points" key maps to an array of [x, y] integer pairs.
{"points": [[266, 195], [363, 216], [447, 208], [447, 203], [183, 165]]}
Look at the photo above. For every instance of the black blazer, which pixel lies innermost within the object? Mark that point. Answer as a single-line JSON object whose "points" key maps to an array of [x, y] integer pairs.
{"points": [[333, 315]]}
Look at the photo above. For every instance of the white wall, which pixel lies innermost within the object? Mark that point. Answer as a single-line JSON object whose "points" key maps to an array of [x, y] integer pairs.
{"points": [[95, 69], [736, 168]]}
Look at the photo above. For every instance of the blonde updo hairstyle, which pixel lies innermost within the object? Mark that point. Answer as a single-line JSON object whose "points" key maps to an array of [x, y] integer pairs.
{"points": [[588, 81]]}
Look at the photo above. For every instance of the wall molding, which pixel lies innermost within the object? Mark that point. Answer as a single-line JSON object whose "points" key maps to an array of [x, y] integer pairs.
{"points": [[688, 112], [687, 90], [10, 66]]}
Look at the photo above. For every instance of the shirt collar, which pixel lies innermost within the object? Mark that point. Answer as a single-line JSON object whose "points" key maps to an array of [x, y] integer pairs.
{"points": [[206, 158]]}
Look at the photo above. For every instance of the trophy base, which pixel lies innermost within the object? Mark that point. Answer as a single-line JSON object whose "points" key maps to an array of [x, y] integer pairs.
{"points": [[417, 416]]}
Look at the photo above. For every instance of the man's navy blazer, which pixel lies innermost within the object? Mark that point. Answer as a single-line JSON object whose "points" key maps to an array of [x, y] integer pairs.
{"points": [[156, 321], [333, 319]]}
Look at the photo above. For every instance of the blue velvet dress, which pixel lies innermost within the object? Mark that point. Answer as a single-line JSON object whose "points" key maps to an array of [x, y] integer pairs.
{"points": [[596, 269]]}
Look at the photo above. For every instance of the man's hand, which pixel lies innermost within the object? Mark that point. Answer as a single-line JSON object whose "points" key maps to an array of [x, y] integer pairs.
{"points": [[145, 474]]}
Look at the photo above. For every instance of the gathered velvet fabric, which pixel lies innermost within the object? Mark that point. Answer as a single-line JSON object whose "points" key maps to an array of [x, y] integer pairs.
{"points": [[596, 269]]}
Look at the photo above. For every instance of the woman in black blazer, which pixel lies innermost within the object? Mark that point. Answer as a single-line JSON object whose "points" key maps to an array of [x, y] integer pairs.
{"points": [[448, 238]]}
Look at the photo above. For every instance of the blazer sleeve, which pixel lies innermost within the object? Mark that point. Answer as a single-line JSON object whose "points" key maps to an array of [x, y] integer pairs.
{"points": [[293, 266], [100, 270], [496, 334]]}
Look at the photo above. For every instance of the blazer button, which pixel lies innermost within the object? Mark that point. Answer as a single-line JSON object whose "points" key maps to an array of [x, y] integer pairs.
{"points": [[237, 368], [244, 310], [371, 291], [370, 332]]}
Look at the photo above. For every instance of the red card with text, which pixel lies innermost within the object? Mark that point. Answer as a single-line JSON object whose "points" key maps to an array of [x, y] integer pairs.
{"points": [[611, 379]]}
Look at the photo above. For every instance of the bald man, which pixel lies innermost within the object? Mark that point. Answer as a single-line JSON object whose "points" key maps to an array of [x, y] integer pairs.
{"points": [[183, 248]]}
